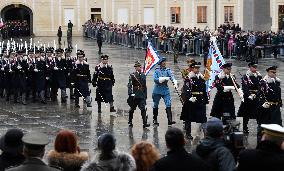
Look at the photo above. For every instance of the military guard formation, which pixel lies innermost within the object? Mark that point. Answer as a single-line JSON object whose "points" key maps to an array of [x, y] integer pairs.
{"points": [[38, 73]]}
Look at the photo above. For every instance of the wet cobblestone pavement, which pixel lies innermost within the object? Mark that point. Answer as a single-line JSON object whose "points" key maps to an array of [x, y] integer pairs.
{"points": [[88, 124]]}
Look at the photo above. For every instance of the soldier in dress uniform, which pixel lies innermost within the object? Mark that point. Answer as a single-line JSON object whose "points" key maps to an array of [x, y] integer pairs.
{"points": [[103, 79], [137, 91], [270, 99], [39, 76], [33, 150], [223, 104], [194, 107], [186, 71], [70, 63], [162, 75], [59, 79], [82, 78], [21, 77], [49, 71], [250, 87], [9, 75]]}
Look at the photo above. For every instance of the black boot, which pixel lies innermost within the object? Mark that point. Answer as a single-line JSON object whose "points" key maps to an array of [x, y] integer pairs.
{"points": [[63, 96], [24, 102], [77, 102], [188, 130], [245, 125], [99, 107], [130, 117], [155, 116], [111, 107], [42, 97], [144, 118], [170, 116]]}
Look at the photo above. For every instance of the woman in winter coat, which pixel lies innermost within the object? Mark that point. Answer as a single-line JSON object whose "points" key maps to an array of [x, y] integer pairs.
{"points": [[66, 153], [109, 159]]}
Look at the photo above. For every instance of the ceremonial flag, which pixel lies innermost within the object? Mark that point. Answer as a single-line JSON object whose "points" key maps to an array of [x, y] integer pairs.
{"points": [[151, 58], [215, 61]]}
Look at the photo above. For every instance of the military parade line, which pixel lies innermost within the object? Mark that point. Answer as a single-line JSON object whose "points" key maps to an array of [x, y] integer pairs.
{"points": [[37, 73]]}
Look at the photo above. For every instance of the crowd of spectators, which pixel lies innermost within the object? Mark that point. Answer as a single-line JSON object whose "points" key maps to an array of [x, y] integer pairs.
{"points": [[26, 152], [231, 39], [14, 29]]}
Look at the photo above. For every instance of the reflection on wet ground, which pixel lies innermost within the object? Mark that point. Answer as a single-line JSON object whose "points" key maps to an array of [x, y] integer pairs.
{"points": [[89, 125]]}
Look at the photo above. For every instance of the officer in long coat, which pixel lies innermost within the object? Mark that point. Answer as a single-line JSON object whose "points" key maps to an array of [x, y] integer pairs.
{"points": [[100, 40], [270, 99], [137, 91], [82, 78], [161, 89], [59, 79], [223, 104], [103, 79], [70, 64], [194, 107], [250, 87]]}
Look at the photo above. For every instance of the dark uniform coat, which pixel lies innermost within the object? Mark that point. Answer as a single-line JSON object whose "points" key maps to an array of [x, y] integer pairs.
{"points": [[194, 86], [223, 103], [21, 74], [40, 76], [33, 164], [250, 86], [267, 156], [82, 78], [137, 86], [103, 78], [271, 93], [59, 79]]}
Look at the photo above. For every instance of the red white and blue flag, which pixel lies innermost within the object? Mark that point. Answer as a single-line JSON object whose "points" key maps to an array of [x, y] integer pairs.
{"points": [[151, 58], [215, 61]]}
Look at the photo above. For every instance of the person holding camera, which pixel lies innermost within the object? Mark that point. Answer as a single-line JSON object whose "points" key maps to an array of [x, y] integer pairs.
{"points": [[194, 90], [212, 148], [223, 104]]}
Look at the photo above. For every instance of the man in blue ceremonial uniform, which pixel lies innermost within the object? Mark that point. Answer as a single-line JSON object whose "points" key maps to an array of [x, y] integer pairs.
{"points": [[162, 75]]}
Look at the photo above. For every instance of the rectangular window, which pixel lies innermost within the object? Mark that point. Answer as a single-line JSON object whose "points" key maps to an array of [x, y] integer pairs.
{"points": [[122, 16], [96, 10], [69, 15], [229, 14], [202, 14], [175, 14], [149, 16]]}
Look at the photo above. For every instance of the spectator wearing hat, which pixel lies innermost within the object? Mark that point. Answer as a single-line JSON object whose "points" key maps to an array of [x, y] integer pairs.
{"points": [[11, 146], [137, 91], [212, 149], [34, 148], [161, 89], [250, 87], [268, 154], [145, 155], [59, 78], [66, 153], [109, 158], [103, 79], [82, 78], [194, 107], [270, 99], [223, 104], [177, 157]]}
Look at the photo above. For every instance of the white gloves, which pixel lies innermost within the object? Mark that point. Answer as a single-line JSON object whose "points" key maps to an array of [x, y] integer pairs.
{"points": [[2, 69], [55, 68], [132, 95], [19, 67], [266, 105], [193, 99], [252, 96], [35, 70], [228, 88], [163, 79], [241, 93], [47, 78], [175, 84]]}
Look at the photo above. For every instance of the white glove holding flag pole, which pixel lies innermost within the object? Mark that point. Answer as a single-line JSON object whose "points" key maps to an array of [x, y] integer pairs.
{"points": [[228, 88], [241, 94], [35, 70], [163, 79], [175, 84], [193, 99], [266, 105]]}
